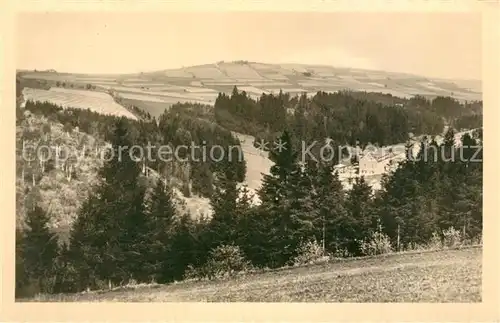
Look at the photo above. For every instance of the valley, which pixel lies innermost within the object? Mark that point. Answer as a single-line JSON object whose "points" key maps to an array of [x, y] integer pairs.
{"points": [[247, 104]]}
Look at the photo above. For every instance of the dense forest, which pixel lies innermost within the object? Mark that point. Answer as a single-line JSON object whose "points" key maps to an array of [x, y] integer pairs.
{"points": [[346, 117], [129, 230], [175, 128]]}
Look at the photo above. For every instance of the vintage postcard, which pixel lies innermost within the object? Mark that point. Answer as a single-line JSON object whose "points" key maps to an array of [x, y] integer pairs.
{"points": [[221, 161]]}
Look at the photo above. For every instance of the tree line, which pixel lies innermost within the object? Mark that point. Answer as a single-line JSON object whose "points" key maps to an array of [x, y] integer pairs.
{"points": [[347, 117]]}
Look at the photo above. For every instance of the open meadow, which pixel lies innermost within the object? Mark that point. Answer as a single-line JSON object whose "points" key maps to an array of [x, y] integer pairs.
{"points": [[437, 276], [99, 102]]}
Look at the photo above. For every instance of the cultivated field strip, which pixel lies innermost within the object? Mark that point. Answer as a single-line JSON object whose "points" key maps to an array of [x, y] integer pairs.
{"points": [[206, 72], [98, 102], [253, 89], [163, 98]]}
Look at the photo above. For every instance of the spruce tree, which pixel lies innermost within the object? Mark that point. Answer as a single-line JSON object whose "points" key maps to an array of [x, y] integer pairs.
{"points": [[401, 200], [109, 234], [302, 210], [286, 201], [161, 214], [359, 222], [39, 250], [85, 252], [224, 202], [330, 204], [244, 211], [21, 275], [184, 247]]}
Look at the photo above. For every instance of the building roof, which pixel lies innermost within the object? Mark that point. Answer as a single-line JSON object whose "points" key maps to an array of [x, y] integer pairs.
{"points": [[379, 155]]}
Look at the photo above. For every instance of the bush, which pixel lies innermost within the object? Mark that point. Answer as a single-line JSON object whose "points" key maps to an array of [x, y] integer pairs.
{"points": [[435, 243], [191, 273], [378, 243], [413, 246], [452, 238], [478, 240], [341, 253], [310, 252], [224, 261]]}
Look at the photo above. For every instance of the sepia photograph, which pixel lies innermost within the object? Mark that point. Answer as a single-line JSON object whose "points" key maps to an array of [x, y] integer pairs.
{"points": [[248, 157]]}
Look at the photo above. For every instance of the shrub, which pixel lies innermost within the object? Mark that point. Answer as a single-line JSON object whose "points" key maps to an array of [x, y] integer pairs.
{"points": [[192, 273], [413, 246], [452, 238], [310, 252], [341, 253], [378, 243], [435, 243], [477, 240], [224, 261]]}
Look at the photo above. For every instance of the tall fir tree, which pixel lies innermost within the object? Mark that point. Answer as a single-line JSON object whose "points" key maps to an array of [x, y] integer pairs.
{"points": [[286, 199], [329, 200], [21, 276], [39, 251], [359, 222], [224, 202], [109, 234], [185, 247], [161, 214]]}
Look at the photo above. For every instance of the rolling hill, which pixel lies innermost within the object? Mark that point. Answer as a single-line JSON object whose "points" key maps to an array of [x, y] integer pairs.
{"points": [[155, 91]]}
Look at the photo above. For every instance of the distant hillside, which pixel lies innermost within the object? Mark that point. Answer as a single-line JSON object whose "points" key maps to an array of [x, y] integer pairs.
{"points": [[201, 83]]}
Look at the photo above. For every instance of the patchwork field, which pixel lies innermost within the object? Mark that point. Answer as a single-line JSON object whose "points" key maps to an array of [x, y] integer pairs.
{"points": [[96, 101], [186, 83], [441, 276]]}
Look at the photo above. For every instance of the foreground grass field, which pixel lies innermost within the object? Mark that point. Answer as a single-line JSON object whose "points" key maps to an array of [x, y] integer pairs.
{"points": [[441, 276]]}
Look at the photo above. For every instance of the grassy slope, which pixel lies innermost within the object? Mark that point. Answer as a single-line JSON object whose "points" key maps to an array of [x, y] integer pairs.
{"points": [[442, 276]]}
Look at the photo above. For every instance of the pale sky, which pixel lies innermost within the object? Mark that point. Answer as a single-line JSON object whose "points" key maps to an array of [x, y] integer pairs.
{"points": [[431, 44]]}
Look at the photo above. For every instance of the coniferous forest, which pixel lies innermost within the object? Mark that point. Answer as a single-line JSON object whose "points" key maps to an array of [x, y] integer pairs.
{"points": [[128, 227]]}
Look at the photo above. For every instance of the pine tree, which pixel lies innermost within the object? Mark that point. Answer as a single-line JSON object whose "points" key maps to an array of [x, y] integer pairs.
{"points": [[39, 250], [161, 216], [330, 202], [244, 211], [85, 252], [286, 200], [400, 202], [359, 222], [448, 151], [302, 210], [184, 247], [461, 196], [22, 280], [109, 234], [224, 202]]}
